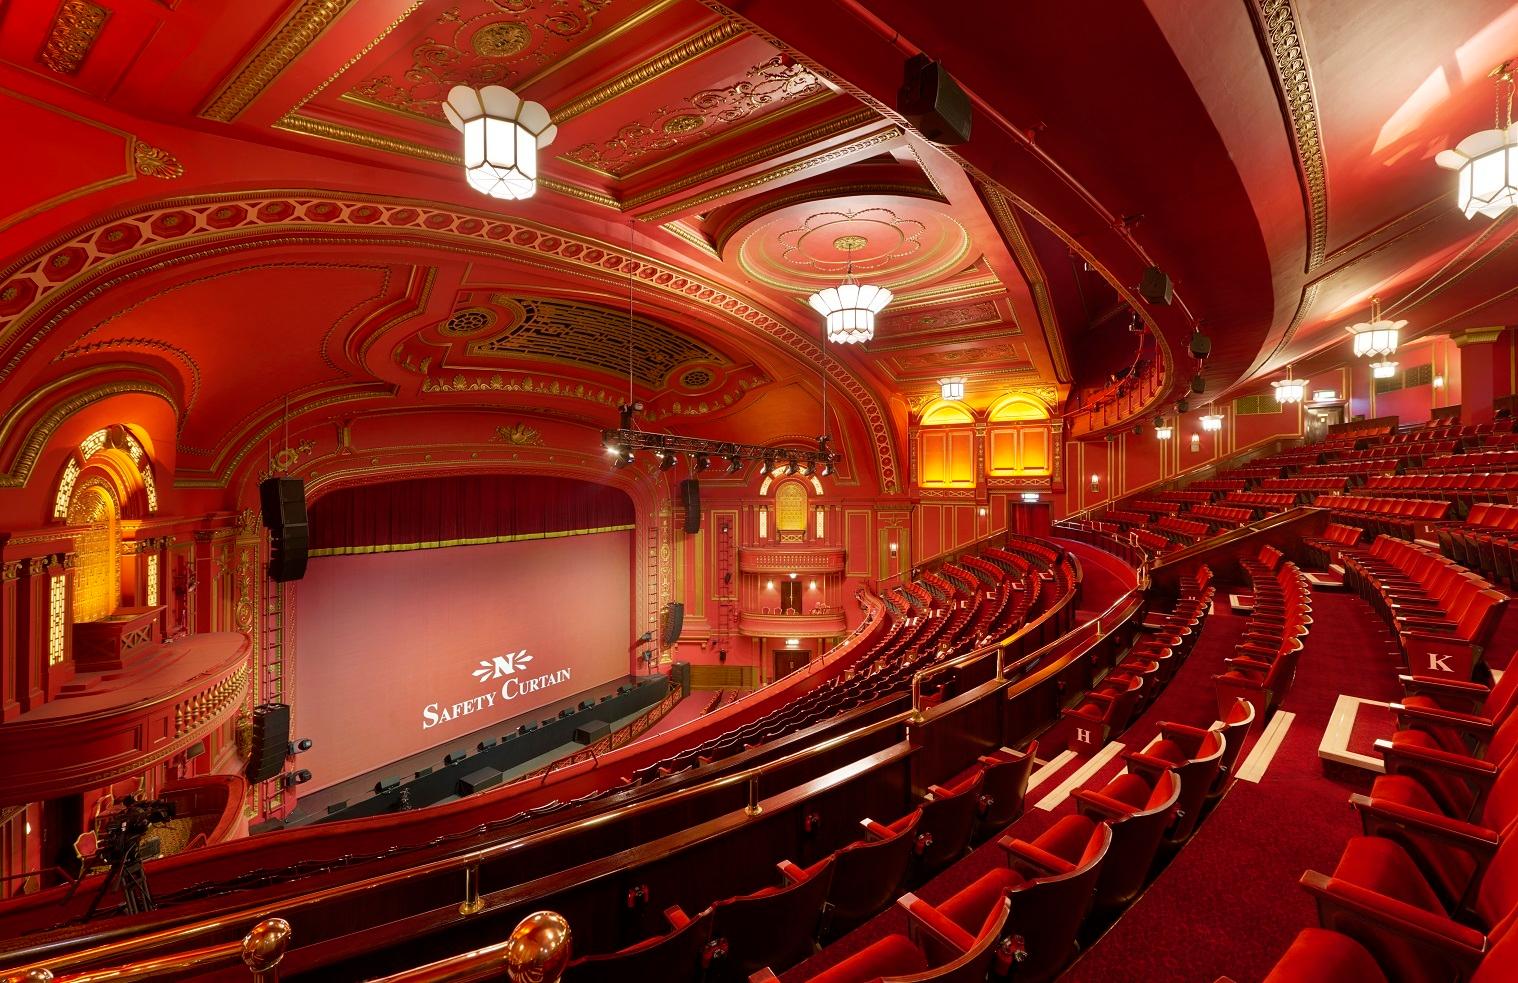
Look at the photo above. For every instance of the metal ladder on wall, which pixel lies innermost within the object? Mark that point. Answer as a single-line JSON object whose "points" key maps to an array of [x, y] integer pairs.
{"points": [[727, 589], [271, 681]]}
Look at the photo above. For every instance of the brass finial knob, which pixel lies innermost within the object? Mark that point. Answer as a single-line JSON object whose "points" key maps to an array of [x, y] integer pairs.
{"points": [[264, 946], [538, 950]]}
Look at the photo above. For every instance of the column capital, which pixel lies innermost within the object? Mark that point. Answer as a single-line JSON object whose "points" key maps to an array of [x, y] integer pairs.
{"points": [[1476, 336]]}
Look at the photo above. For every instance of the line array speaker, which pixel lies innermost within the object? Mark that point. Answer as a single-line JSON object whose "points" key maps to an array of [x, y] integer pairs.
{"points": [[933, 102], [690, 494], [284, 514], [1155, 286], [271, 741], [674, 623]]}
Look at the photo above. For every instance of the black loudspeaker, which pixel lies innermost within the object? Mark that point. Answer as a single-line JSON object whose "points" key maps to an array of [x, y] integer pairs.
{"points": [[933, 102], [1155, 286], [1198, 384], [478, 781], [284, 514], [674, 623], [271, 740], [690, 494], [680, 676]]}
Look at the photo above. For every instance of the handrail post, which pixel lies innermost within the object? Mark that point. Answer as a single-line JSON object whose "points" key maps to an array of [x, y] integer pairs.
{"points": [[1001, 674], [472, 901], [753, 808], [263, 948]]}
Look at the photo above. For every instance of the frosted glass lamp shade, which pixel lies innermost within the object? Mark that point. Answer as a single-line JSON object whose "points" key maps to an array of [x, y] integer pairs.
{"points": [[1212, 422], [1289, 390], [502, 136], [1383, 370], [1376, 337], [1486, 165], [849, 310]]}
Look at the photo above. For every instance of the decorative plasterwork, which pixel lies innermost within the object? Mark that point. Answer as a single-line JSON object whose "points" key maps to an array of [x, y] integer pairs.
{"points": [[1280, 36], [698, 117], [663, 62], [263, 66], [589, 335], [155, 161], [37, 294], [520, 435], [486, 46], [75, 30], [888, 135]]}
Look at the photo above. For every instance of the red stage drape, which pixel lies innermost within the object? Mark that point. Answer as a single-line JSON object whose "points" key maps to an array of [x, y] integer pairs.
{"points": [[459, 509]]}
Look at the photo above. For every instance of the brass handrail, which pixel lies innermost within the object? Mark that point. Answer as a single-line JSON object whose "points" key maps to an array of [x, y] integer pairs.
{"points": [[260, 950], [537, 951], [117, 951]]}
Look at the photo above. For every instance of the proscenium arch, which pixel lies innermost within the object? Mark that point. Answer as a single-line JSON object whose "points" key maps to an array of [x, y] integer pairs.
{"points": [[305, 217]]}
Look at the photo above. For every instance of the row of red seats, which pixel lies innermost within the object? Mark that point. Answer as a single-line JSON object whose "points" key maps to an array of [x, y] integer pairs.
{"points": [[1462, 489], [1223, 516], [1273, 501], [1264, 663], [1486, 540], [1151, 505], [1401, 517], [1443, 614], [1481, 460], [1309, 484]]}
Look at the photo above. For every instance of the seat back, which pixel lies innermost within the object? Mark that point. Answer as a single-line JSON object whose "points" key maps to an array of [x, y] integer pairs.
{"points": [[1135, 840], [1047, 911], [1196, 775], [1234, 726], [1004, 788], [867, 874], [947, 824], [773, 927], [972, 967], [676, 956]]}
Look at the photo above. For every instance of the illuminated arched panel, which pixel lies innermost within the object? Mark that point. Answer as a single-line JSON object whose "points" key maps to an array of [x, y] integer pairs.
{"points": [[97, 549], [790, 509], [1019, 438]]}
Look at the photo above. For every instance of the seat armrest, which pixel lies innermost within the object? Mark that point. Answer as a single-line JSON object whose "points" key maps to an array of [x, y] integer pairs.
{"points": [[1436, 686], [1035, 857], [876, 829], [1468, 722], [765, 975], [1243, 663], [791, 872], [1174, 730], [925, 920], [1104, 806], [676, 916], [1472, 770], [1148, 763], [1463, 946], [1376, 814]]}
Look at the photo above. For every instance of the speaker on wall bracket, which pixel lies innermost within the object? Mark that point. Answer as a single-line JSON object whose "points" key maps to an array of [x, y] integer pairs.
{"points": [[933, 102], [283, 503], [690, 497], [674, 622]]}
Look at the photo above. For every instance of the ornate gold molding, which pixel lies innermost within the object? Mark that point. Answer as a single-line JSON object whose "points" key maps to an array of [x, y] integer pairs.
{"points": [[890, 134], [36, 439], [1277, 26], [1477, 336], [657, 65], [273, 56], [155, 161], [1011, 230], [76, 28]]}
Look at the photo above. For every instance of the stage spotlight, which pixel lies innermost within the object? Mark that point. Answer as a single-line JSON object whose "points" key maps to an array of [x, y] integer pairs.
{"points": [[808, 468], [734, 464], [666, 460], [792, 466], [827, 468], [702, 462], [623, 459], [294, 778], [296, 747]]}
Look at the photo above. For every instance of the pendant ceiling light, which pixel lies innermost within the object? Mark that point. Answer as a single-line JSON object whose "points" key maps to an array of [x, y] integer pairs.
{"points": [[1487, 160], [1376, 336], [1212, 421], [502, 136], [1163, 430], [1383, 370], [850, 307], [952, 388], [1289, 390]]}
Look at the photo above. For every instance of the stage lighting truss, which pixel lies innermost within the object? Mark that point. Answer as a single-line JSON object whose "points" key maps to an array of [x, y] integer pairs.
{"points": [[623, 444]]}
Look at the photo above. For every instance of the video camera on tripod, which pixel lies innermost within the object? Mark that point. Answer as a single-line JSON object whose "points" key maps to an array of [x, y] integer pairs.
{"points": [[119, 838]]}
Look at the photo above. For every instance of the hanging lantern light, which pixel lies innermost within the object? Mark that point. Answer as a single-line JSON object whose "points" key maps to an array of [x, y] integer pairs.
{"points": [[1289, 390], [502, 136], [1376, 336], [1487, 161], [1383, 370], [850, 308], [952, 388], [1212, 421]]}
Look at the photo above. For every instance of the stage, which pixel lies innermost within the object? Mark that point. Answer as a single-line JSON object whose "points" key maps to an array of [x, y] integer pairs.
{"points": [[428, 778]]}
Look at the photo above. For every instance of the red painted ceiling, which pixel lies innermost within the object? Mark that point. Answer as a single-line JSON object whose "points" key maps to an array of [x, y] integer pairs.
{"points": [[254, 206]]}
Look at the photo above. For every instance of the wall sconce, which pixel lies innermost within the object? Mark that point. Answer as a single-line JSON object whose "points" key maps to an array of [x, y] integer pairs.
{"points": [[982, 511], [769, 585], [1438, 382], [812, 585], [893, 549], [1096, 482], [793, 576], [1196, 443]]}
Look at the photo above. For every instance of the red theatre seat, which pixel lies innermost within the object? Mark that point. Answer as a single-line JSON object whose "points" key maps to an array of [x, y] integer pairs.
{"points": [[1138, 812], [771, 927], [677, 955], [1195, 756]]}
